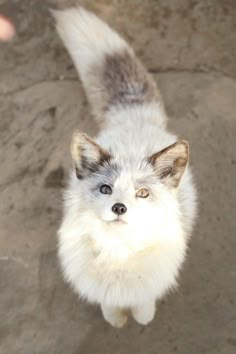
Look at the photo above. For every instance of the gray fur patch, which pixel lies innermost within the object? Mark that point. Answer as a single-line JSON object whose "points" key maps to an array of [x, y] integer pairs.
{"points": [[88, 166], [126, 81], [107, 174]]}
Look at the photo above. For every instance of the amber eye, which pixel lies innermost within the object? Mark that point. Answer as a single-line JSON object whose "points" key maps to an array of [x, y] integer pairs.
{"points": [[105, 189], [142, 193]]}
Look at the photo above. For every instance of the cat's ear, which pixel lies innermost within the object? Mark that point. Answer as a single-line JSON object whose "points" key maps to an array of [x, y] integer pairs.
{"points": [[87, 155], [170, 163]]}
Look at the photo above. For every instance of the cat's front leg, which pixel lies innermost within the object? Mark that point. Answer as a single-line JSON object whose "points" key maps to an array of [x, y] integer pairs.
{"points": [[144, 313], [114, 315]]}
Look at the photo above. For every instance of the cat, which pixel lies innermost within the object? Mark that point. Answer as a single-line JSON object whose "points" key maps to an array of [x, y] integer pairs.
{"points": [[130, 203]]}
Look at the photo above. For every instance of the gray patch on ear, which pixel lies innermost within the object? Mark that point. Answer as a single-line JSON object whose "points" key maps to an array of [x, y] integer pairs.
{"points": [[168, 171], [169, 164], [126, 81], [88, 167], [88, 156]]}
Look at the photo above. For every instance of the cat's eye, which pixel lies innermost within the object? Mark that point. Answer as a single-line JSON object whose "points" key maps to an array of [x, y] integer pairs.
{"points": [[105, 189], [142, 193]]}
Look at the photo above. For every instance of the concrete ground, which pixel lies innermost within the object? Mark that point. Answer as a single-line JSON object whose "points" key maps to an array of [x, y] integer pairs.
{"points": [[190, 47]]}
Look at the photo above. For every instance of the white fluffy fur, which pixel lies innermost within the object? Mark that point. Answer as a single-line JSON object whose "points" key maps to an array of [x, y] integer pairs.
{"points": [[126, 265]]}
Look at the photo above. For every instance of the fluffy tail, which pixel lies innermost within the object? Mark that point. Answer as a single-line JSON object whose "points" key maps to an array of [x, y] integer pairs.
{"points": [[109, 70]]}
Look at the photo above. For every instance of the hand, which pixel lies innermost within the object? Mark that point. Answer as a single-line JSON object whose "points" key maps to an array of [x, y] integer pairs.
{"points": [[7, 29]]}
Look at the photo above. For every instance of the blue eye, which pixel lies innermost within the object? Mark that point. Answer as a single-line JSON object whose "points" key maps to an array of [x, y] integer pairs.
{"points": [[105, 189]]}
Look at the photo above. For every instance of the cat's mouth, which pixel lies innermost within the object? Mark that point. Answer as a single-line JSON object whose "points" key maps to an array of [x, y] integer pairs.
{"points": [[119, 221]]}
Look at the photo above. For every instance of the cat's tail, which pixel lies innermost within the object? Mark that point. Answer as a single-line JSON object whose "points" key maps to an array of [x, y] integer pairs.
{"points": [[113, 78]]}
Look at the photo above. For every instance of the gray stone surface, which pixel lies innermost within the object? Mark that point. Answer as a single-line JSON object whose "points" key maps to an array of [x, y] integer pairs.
{"points": [[190, 46]]}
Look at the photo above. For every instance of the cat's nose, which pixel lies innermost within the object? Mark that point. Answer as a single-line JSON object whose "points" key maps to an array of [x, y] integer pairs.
{"points": [[119, 209]]}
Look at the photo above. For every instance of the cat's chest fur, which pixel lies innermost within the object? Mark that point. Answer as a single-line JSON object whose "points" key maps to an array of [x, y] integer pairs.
{"points": [[119, 276]]}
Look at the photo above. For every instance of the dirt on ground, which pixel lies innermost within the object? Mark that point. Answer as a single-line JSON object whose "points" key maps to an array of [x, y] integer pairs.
{"points": [[190, 48]]}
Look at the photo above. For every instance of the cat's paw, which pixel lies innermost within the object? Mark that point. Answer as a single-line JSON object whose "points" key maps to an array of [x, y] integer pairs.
{"points": [[115, 316], [117, 321], [144, 314]]}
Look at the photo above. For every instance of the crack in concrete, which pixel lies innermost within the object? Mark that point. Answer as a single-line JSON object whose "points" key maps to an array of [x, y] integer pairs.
{"points": [[14, 259], [187, 71], [22, 89], [168, 70]]}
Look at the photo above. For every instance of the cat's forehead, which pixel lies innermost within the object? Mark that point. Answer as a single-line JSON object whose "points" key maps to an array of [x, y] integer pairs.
{"points": [[137, 172]]}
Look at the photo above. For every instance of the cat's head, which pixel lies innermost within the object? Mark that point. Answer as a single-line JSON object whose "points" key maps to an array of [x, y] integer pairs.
{"points": [[127, 192]]}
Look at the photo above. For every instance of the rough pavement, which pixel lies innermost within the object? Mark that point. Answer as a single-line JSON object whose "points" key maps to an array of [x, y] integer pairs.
{"points": [[190, 47]]}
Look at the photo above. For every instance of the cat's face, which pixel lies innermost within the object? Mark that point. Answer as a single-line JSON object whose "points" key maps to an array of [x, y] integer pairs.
{"points": [[122, 192], [127, 193]]}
